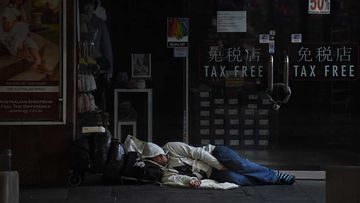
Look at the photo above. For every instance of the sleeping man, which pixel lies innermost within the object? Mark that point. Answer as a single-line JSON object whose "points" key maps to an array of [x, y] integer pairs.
{"points": [[187, 165]]}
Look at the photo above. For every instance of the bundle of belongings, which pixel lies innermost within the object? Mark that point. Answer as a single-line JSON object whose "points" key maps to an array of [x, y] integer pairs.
{"points": [[99, 153]]}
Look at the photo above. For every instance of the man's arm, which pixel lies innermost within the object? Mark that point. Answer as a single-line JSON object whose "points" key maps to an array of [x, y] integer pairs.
{"points": [[197, 153], [180, 180]]}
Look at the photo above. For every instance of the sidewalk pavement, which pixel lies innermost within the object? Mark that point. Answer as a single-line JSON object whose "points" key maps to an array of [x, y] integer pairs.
{"points": [[302, 191]]}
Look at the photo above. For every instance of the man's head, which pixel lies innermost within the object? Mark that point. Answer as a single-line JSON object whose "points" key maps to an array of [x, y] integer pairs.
{"points": [[155, 153]]}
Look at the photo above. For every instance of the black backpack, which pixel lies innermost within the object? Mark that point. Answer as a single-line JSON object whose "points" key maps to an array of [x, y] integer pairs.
{"points": [[142, 170], [90, 152]]}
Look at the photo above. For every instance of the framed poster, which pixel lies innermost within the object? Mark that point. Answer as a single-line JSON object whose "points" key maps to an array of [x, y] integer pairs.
{"points": [[32, 62], [141, 65]]}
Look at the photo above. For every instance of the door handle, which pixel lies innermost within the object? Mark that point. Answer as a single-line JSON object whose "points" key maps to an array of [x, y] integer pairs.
{"points": [[271, 74], [286, 71], [284, 85]]}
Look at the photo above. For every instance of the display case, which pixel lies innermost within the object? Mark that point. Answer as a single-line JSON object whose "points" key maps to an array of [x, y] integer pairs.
{"points": [[133, 113]]}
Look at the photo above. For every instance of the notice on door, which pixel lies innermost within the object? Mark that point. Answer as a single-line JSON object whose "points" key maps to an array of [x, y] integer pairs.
{"points": [[231, 21], [319, 6]]}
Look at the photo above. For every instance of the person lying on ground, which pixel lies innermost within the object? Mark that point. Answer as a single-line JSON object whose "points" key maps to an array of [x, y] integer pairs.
{"points": [[188, 165]]}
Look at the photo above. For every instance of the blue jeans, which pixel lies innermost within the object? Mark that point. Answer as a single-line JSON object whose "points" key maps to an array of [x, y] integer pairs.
{"points": [[240, 170]]}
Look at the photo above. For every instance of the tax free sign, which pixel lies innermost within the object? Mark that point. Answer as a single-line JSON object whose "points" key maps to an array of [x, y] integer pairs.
{"points": [[232, 63], [324, 62]]}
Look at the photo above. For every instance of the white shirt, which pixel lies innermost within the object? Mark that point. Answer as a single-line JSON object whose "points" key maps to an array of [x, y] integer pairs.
{"points": [[199, 158]]}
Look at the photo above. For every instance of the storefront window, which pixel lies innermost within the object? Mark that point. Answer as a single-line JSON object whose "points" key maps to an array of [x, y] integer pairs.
{"points": [[230, 48]]}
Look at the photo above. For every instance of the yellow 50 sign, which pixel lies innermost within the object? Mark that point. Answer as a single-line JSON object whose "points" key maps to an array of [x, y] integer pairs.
{"points": [[319, 6]]}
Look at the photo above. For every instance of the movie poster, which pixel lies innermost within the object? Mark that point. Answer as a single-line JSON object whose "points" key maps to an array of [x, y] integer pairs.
{"points": [[31, 62]]}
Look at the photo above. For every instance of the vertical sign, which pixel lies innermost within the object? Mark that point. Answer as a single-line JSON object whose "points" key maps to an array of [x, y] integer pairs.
{"points": [[32, 73], [319, 6], [178, 38], [177, 32]]}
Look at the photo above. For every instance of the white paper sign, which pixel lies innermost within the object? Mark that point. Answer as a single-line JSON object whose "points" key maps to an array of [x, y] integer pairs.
{"points": [[180, 52], [263, 38], [272, 34], [231, 21], [271, 47], [319, 6], [296, 38]]}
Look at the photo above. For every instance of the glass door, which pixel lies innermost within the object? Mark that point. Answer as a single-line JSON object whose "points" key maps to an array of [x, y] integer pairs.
{"points": [[279, 76]]}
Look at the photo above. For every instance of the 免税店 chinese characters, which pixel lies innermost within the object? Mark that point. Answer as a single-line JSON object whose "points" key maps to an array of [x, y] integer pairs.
{"points": [[329, 71], [243, 71], [234, 54], [325, 54]]}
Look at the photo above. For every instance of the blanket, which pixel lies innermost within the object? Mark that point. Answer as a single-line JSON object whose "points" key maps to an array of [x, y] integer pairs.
{"points": [[208, 184]]}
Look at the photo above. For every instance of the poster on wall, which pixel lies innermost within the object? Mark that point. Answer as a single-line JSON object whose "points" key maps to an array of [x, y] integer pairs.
{"points": [[319, 6], [141, 65], [32, 71], [177, 32]]}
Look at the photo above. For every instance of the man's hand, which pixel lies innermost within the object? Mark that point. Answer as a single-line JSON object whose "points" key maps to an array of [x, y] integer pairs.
{"points": [[195, 183], [223, 168]]}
